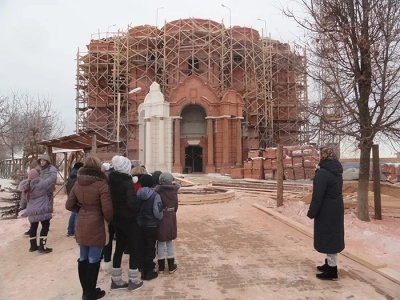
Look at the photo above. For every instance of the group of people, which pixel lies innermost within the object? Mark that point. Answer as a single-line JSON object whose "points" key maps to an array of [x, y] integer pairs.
{"points": [[138, 208], [120, 200]]}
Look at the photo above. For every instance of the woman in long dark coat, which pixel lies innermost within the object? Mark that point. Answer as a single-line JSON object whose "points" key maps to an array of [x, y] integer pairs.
{"points": [[167, 229], [327, 210], [90, 199]]}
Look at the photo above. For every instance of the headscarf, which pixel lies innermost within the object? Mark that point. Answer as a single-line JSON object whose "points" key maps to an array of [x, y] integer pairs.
{"points": [[327, 154]]}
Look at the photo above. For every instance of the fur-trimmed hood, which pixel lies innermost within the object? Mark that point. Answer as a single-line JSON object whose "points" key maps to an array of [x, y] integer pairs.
{"points": [[87, 176], [174, 186]]}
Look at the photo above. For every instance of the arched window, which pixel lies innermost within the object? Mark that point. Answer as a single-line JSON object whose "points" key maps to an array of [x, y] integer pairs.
{"points": [[193, 122]]}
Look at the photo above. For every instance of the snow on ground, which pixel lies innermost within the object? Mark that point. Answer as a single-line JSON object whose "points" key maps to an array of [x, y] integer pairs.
{"points": [[377, 238]]}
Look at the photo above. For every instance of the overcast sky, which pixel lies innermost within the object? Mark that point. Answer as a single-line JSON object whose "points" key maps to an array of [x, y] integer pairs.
{"points": [[40, 38]]}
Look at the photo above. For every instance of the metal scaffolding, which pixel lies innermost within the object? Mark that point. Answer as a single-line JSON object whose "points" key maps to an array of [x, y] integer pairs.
{"points": [[268, 74]]}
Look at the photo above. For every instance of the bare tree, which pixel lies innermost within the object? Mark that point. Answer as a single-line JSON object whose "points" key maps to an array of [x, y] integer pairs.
{"points": [[27, 115], [355, 54]]}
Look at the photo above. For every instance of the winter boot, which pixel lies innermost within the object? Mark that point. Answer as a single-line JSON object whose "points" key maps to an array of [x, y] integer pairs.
{"points": [[133, 282], [330, 274], [161, 265], [116, 280], [98, 291], [142, 274], [83, 278], [172, 267], [106, 266], [34, 246], [324, 267], [92, 275], [82, 272], [150, 275], [28, 233], [42, 246]]}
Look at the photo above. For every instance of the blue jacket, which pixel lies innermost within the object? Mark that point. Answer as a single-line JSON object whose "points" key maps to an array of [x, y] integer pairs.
{"points": [[151, 208]]}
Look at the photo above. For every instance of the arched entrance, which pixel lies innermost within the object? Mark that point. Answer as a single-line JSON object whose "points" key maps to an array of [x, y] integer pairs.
{"points": [[193, 132], [193, 159]]}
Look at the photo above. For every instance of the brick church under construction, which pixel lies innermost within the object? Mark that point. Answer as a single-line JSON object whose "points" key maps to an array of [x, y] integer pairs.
{"points": [[229, 89]]}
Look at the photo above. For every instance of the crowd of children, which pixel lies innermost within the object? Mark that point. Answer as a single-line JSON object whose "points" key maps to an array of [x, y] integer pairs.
{"points": [[120, 201]]}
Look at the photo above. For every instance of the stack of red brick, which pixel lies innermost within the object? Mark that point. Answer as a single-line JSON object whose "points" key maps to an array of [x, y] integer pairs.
{"points": [[390, 171], [253, 167], [299, 163]]}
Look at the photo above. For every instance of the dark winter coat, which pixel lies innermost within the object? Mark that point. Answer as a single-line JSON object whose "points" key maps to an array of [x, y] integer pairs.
{"points": [[327, 208], [90, 198], [71, 180], [38, 208], [151, 208], [109, 171], [168, 228], [124, 199]]}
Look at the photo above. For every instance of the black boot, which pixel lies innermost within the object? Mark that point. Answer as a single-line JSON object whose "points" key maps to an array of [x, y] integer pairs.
{"points": [[34, 245], [142, 274], [83, 278], [82, 272], [150, 274], [92, 275], [161, 265], [330, 274], [172, 267], [99, 292], [28, 233], [324, 267], [42, 246]]}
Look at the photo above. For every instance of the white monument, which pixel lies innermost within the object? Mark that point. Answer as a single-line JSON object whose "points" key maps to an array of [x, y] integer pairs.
{"points": [[155, 131]]}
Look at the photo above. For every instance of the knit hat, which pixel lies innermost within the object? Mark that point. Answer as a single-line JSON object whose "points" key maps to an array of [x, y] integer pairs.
{"points": [[146, 181], [78, 165], [166, 178], [156, 177], [32, 174], [105, 166], [121, 164]]}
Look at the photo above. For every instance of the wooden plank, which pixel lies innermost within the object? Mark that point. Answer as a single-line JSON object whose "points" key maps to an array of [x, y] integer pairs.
{"points": [[279, 172], [260, 186], [377, 182], [184, 181]]}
